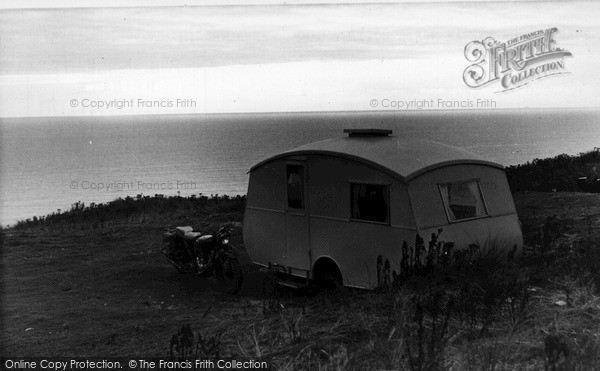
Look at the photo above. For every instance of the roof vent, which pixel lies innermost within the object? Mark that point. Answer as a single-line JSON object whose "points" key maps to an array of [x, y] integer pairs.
{"points": [[367, 132]]}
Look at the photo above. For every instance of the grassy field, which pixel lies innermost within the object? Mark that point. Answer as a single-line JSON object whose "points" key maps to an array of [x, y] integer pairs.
{"points": [[92, 282]]}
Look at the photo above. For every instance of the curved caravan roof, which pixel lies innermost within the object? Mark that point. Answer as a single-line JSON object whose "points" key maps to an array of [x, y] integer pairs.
{"points": [[404, 158]]}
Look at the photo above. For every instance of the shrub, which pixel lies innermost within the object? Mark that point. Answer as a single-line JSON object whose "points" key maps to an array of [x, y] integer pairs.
{"points": [[559, 173]]}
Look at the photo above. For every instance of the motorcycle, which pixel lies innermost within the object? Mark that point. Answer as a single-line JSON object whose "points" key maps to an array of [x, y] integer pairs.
{"points": [[205, 255]]}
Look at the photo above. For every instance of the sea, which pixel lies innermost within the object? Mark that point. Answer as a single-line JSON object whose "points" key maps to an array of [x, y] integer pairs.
{"points": [[48, 164]]}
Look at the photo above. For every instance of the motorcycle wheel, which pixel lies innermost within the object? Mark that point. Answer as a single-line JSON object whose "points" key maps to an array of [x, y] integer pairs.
{"points": [[232, 275], [204, 271], [186, 268]]}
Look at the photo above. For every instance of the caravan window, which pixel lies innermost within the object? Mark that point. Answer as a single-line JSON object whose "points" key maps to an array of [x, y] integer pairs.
{"points": [[295, 186], [370, 202], [463, 200]]}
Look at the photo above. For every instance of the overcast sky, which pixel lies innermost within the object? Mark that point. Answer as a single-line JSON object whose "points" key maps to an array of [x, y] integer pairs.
{"points": [[278, 58]]}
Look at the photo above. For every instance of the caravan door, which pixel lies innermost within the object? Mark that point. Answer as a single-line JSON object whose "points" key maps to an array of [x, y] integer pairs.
{"points": [[297, 229]]}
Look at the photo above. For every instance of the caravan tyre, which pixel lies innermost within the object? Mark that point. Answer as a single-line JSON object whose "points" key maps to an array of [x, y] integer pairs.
{"points": [[330, 282]]}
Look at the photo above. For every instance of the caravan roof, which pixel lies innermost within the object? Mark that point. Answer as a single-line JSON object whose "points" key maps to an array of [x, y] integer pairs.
{"points": [[403, 158]]}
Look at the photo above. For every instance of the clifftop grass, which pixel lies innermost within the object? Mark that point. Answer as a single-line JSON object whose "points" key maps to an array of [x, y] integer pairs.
{"points": [[151, 209]]}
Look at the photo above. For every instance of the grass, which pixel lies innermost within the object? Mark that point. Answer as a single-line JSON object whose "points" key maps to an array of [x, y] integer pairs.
{"points": [[91, 282]]}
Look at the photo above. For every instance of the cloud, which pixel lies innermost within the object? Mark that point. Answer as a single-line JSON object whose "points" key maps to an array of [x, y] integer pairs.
{"points": [[269, 58], [74, 40]]}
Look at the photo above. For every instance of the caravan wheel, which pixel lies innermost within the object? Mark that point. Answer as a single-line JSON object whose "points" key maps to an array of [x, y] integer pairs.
{"points": [[328, 278]]}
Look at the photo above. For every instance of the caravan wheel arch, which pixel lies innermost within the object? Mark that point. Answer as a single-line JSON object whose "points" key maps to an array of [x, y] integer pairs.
{"points": [[326, 266]]}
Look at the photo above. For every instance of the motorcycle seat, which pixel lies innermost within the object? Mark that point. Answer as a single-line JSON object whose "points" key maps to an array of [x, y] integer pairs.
{"points": [[189, 236], [181, 231]]}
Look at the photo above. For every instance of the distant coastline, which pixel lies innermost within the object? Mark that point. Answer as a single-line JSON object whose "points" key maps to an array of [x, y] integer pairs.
{"points": [[322, 113], [563, 173]]}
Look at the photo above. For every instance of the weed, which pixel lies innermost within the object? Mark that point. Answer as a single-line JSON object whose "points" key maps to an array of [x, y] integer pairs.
{"points": [[185, 345], [290, 320]]}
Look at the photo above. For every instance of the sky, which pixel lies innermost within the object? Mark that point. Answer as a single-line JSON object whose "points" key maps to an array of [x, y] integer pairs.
{"points": [[93, 60]]}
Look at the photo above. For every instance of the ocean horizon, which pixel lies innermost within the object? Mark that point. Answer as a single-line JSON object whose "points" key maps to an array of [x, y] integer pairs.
{"points": [[50, 163]]}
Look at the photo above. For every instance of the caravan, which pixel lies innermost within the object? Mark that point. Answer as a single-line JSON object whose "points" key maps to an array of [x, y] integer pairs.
{"points": [[335, 208]]}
